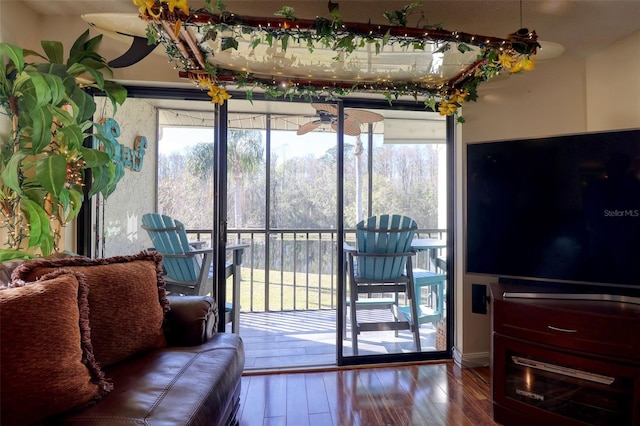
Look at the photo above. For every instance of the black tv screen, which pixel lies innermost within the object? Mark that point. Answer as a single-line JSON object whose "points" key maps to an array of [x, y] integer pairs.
{"points": [[557, 209]]}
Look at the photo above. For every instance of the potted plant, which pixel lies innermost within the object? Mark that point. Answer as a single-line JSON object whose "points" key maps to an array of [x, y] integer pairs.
{"points": [[49, 143]]}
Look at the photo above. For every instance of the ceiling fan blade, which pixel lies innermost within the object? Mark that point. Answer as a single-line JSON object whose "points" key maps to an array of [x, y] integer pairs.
{"points": [[351, 127], [307, 127], [331, 109], [363, 116]]}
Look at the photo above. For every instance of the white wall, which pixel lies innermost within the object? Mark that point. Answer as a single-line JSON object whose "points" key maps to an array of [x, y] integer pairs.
{"points": [[561, 96], [613, 86], [120, 220]]}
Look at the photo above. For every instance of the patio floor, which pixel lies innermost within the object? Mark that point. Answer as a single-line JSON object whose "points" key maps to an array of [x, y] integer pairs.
{"points": [[283, 340]]}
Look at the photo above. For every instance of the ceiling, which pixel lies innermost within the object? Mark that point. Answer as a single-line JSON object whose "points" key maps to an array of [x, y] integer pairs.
{"points": [[581, 26]]}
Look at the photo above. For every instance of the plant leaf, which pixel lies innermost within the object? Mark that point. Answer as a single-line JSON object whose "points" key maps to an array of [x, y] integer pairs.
{"points": [[101, 178], [15, 55], [85, 104], [118, 173], [94, 157], [54, 51], [7, 254], [41, 89], [10, 175], [75, 203], [34, 212], [51, 172], [71, 136]]}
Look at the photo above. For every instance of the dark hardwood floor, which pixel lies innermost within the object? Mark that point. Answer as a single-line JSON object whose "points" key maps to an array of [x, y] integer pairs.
{"points": [[418, 394]]}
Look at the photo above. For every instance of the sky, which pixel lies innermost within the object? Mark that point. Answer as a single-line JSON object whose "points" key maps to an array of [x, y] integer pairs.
{"points": [[284, 144]]}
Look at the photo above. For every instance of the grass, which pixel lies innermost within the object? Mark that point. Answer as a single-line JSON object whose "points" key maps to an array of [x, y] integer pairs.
{"points": [[287, 291]]}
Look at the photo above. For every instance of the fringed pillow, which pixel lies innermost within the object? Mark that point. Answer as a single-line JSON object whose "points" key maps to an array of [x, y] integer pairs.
{"points": [[46, 360], [127, 301]]}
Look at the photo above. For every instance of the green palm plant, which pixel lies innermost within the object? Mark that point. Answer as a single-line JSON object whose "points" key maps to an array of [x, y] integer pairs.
{"points": [[44, 158]]}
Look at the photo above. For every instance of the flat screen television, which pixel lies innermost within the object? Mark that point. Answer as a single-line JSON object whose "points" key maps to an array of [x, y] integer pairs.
{"points": [[563, 209]]}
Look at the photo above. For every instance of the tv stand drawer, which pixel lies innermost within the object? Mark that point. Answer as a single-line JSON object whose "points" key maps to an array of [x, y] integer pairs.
{"points": [[563, 361], [579, 328]]}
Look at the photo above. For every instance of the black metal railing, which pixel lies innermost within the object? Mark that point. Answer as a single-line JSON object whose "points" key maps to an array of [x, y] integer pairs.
{"points": [[292, 269]]}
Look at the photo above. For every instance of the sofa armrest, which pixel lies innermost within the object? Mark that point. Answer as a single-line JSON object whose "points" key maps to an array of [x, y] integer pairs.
{"points": [[191, 321]]}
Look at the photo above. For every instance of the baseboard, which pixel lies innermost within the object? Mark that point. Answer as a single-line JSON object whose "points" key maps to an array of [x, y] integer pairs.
{"points": [[471, 360]]}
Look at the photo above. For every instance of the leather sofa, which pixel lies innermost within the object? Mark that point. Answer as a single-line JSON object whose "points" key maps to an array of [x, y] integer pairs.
{"points": [[194, 380]]}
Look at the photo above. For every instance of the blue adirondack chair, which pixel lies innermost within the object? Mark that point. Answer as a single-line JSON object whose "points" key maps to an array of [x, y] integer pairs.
{"points": [[189, 270], [381, 265]]}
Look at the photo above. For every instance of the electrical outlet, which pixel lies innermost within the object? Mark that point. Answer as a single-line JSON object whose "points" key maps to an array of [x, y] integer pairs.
{"points": [[479, 299]]}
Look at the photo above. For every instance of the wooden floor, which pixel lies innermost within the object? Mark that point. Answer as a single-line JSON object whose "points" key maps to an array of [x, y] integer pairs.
{"points": [[425, 394]]}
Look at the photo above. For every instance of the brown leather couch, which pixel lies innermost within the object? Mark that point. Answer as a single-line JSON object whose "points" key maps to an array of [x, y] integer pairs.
{"points": [[195, 380]]}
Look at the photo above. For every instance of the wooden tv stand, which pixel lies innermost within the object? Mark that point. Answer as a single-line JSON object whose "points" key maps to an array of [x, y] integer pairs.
{"points": [[563, 361]]}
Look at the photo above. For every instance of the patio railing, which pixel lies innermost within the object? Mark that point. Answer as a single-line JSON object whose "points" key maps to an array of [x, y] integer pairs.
{"points": [[292, 270]]}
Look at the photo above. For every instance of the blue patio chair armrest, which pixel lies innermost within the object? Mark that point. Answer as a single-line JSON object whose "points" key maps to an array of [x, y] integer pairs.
{"points": [[202, 251]]}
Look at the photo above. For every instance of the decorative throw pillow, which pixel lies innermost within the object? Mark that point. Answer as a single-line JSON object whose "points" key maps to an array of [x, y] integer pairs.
{"points": [[127, 301], [46, 360]]}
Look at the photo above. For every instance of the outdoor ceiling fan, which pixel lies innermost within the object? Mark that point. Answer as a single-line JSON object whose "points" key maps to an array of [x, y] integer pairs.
{"points": [[327, 114]]}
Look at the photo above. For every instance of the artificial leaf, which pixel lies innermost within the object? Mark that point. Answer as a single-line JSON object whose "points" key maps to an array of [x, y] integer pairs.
{"points": [[101, 178], [118, 172], [11, 173], [75, 203], [34, 213], [63, 197], [71, 137], [41, 89], [116, 93], [78, 48], [94, 157], [41, 129], [56, 88], [85, 104], [103, 142], [54, 51], [286, 12], [462, 48], [15, 55], [6, 254], [46, 243], [62, 115], [228, 43], [51, 172]]}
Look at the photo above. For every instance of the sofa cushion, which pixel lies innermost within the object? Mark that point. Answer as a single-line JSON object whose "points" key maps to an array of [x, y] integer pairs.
{"points": [[189, 385], [46, 360], [127, 301]]}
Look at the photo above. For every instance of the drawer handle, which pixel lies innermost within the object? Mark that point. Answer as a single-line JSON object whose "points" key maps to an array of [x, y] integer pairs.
{"points": [[564, 330]]}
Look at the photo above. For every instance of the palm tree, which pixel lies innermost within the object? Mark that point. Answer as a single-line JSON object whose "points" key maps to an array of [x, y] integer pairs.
{"points": [[244, 156]]}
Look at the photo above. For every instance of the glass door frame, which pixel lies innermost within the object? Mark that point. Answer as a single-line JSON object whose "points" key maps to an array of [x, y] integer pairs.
{"points": [[84, 234]]}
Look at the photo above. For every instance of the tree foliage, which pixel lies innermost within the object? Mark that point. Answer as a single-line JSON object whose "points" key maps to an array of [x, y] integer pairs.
{"points": [[303, 188]]}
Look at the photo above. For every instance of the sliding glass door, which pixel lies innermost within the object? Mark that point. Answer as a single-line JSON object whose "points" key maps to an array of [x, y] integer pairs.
{"points": [[292, 182]]}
